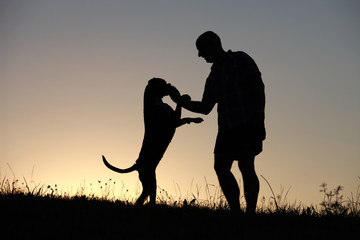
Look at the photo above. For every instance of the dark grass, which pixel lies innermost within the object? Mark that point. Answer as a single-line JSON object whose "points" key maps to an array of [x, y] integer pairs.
{"points": [[27, 216], [42, 213]]}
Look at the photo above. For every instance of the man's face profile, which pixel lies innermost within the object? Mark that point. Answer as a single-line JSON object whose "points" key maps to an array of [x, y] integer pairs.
{"points": [[205, 52]]}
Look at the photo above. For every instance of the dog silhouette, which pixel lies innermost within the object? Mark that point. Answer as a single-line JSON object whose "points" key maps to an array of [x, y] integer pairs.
{"points": [[161, 122]]}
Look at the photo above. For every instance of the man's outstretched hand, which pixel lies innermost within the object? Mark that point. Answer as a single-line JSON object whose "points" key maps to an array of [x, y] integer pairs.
{"points": [[177, 97], [184, 99]]}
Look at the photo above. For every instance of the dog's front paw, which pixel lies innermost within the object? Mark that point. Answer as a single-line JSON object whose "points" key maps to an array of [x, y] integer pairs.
{"points": [[198, 120]]}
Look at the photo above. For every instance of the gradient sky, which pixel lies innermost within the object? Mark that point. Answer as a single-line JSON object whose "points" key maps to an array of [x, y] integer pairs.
{"points": [[72, 76]]}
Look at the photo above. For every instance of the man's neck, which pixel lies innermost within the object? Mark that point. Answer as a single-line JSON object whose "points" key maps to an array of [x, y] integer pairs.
{"points": [[220, 56]]}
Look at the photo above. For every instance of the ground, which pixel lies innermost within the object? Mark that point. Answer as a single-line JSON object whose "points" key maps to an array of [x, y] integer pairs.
{"points": [[32, 217]]}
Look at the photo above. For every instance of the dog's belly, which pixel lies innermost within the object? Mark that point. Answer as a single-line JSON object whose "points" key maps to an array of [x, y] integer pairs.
{"points": [[154, 146]]}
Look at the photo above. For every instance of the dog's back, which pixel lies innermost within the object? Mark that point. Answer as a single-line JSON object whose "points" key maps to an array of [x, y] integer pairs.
{"points": [[160, 125]]}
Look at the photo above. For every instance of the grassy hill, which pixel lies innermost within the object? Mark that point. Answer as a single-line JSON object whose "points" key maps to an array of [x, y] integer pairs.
{"points": [[39, 217], [43, 213]]}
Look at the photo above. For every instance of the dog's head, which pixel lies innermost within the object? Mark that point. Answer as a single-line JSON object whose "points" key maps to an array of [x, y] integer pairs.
{"points": [[158, 87]]}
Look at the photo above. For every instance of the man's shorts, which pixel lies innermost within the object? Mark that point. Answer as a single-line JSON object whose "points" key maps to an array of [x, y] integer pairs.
{"points": [[235, 145]]}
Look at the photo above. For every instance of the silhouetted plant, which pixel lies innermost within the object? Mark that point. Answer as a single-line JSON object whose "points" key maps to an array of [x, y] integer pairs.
{"points": [[353, 202], [333, 201]]}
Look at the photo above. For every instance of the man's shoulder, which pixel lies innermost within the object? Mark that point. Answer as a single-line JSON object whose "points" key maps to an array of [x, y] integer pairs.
{"points": [[238, 55], [232, 59], [242, 58]]}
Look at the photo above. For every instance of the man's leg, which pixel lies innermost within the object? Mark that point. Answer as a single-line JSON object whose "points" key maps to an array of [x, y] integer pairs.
{"points": [[251, 182], [227, 181]]}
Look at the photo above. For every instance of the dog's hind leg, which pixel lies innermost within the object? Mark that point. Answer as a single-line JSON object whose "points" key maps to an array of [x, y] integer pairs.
{"points": [[148, 180], [141, 199], [152, 188], [145, 193]]}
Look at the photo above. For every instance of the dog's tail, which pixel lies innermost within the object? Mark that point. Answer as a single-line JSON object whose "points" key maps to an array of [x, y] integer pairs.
{"points": [[126, 170]]}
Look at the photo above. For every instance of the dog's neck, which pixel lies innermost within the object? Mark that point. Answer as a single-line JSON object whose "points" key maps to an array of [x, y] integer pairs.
{"points": [[150, 100], [158, 101]]}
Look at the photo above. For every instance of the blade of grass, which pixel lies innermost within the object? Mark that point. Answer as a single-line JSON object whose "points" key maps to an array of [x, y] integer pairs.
{"points": [[274, 197]]}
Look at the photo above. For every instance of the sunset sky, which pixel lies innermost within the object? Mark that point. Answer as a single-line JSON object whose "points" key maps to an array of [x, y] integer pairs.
{"points": [[72, 76]]}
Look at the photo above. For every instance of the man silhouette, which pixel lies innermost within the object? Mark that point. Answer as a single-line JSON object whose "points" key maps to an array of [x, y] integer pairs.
{"points": [[235, 84]]}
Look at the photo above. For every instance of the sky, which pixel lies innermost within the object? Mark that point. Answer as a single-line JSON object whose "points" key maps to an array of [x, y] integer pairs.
{"points": [[73, 73]]}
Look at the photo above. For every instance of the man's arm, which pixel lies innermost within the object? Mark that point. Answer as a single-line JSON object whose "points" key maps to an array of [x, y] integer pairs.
{"points": [[203, 107]]}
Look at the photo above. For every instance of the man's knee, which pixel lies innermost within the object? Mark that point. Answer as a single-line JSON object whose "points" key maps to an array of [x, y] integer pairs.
{"points": [[218, 168], [246, 164], [222, 164]]}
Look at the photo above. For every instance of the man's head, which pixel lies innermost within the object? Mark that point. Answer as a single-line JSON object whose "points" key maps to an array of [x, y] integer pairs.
{"points": [[209, 46]]}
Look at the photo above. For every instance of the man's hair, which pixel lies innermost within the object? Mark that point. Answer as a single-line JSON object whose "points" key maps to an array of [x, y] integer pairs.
{"points": [[208, 38]]}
